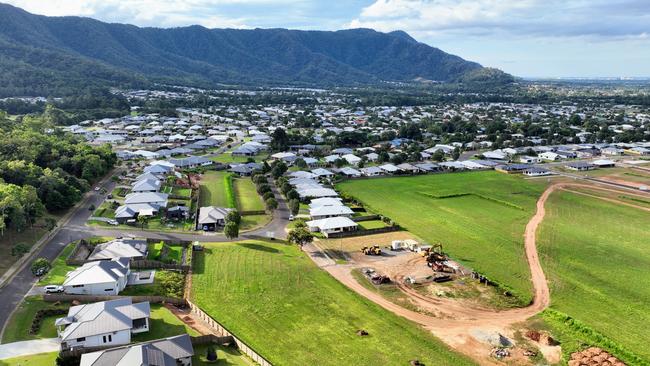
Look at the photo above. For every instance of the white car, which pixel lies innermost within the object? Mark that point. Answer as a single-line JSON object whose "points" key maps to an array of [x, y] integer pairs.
{"points": [[96, 188], [291, 217], [53, 289]]}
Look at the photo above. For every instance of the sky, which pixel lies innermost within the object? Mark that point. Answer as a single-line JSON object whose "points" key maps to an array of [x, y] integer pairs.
{"points": [[527, 38]]}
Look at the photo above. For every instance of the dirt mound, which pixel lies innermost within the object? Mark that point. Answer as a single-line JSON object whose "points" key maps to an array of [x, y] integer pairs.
{"points": [[594, 356]]}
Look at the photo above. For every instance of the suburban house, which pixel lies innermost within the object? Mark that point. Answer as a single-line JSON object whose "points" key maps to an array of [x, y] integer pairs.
{"points": [[371, 171], [119, 248], [245, 169], [172, 351], [530, 159], [102, 324], [323, 212], [316, 193], [154, 199], [327, 201], [604, 163], [332, 225], [146, 185], [210, 218], [580, 166], [549, 156], [350, 172], [98, 278], [535, 171]]}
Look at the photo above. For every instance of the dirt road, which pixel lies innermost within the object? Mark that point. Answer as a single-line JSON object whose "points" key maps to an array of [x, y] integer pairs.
{"points": [[455, 323]]}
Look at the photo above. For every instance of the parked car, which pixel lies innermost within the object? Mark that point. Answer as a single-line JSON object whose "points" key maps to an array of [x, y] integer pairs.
{"points": [[113, 222], [53, 289], [291, 217], [96, 188]]}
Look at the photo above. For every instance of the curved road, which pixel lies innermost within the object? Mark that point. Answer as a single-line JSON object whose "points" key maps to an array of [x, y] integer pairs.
{"points": [[456, 323], [72, 227]]}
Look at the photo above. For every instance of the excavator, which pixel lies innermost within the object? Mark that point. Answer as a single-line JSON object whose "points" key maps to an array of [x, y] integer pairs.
{"points": [[436, 259], [373, 250]]}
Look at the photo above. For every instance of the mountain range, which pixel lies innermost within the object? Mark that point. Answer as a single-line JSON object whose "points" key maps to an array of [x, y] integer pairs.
{"points": [[42, 55]]}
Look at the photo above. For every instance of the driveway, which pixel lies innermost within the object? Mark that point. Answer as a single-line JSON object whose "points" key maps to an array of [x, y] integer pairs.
{"points": [[26, 348]]}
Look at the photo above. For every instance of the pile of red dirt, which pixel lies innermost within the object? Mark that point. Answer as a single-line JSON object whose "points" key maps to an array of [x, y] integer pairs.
{"points": [[594, 356]]}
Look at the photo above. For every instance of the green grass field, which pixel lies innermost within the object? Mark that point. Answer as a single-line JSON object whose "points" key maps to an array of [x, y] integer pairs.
{"points": [[371, 224], [226, 356], [273, 297], [479, 217], [56, 275], [20, 321], [216, 190], [246, 195], [32, 360], [174, 254], [162, 324], [596, 256]]}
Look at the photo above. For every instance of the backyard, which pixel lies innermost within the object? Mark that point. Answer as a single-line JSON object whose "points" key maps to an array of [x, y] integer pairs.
{"points": [[479, 217], [596, 256], [296, 306], [246, 195], [216, 190]]}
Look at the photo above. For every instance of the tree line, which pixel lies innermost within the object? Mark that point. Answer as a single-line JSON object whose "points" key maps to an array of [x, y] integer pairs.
{"points": [[43, 168]]}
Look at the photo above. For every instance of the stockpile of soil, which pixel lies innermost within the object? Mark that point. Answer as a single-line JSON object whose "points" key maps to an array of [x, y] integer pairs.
{"points": [[594, 356]]}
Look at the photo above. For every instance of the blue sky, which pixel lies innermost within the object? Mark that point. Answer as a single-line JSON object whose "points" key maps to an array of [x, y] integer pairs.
{"points": [[536, 38]]}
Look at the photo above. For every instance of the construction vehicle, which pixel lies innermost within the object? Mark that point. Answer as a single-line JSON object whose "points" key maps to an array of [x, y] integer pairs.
{"points": [[373, 250], [437, 260], [379, 280]]}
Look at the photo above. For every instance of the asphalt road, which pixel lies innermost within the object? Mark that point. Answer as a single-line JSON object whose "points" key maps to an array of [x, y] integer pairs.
{"points": [[74, 229]]}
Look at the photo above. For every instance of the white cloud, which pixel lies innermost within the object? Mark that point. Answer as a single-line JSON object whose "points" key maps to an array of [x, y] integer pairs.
{"points": [[540, 18], [160, 13]]}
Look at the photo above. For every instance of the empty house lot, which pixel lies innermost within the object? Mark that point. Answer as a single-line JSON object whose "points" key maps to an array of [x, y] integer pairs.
{"points": [[479, 217], [281, 304]]}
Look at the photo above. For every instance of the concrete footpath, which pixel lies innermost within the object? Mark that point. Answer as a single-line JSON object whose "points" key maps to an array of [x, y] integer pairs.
{"points": [[26, 348]]}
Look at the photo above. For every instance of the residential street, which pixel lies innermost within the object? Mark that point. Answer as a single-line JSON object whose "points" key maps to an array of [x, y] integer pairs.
{"points": [[74, 229]]}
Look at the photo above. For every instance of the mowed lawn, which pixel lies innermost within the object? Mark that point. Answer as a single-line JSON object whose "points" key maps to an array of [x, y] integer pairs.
{"points": [[596, 256], [215, 190], [40, 359], [246, 195], [479, 217], [272, 296]]}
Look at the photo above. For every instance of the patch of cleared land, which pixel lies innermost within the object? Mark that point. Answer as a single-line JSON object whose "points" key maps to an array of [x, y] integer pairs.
{"points": [[11, 237], [215, 189], [596, 256], [246, 195], [479, 217], [344, 247], [275, 298]]}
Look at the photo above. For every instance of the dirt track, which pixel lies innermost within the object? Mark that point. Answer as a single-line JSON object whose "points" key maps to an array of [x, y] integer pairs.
{"points": [[456, 323]]}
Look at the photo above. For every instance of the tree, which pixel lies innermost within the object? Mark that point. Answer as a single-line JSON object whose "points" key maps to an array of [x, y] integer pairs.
{"points": [[143, 220], [300, 236], [231, 230], [233, 216], [456, 153], [268, 195], [294, 206], [40, 266], [279, 140], [293, 195], [300, 163], [438, 155], [271, 203], [278, 169], [19, 250]]}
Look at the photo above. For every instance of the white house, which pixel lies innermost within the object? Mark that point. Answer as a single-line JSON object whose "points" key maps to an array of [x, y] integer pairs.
{"points": [[323, 212], [98, 278], [332, 225], [351, 159], [172, 351], [119, 248], [105, 323], [549, 156], [146, 185]]}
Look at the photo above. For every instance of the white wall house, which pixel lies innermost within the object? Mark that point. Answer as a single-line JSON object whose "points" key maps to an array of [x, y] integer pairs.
{"points": [[98, 278], [103, 324]]}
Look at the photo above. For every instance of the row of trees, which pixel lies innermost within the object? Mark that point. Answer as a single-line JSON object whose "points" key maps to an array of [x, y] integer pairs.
{"points": [[43, 168]]}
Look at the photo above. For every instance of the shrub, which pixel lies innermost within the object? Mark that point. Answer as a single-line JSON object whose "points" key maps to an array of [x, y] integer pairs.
{"points": [[211, 354], [19, 250], [40, 266]]}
